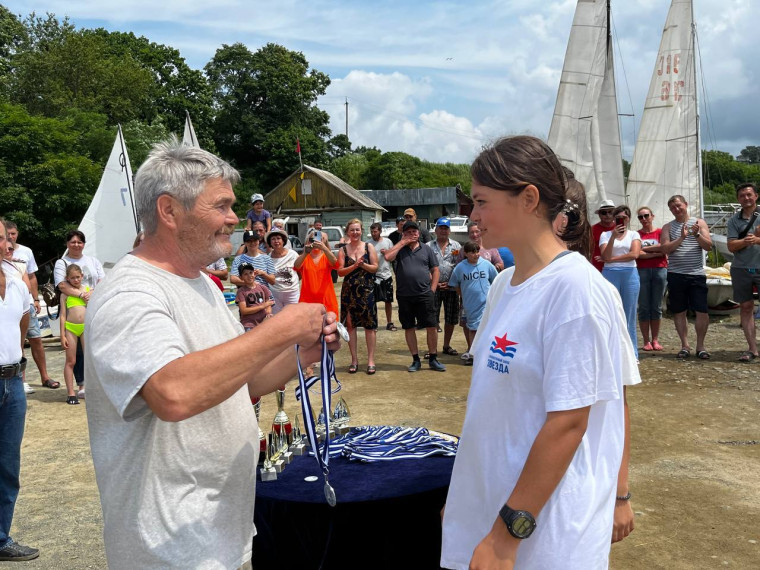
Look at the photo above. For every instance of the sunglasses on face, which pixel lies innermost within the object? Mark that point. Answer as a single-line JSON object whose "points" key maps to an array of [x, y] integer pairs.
{"points": [[605, 212], [643, 216]]}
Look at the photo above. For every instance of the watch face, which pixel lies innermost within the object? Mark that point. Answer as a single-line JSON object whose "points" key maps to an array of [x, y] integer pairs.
{"points": [[522, 526]]}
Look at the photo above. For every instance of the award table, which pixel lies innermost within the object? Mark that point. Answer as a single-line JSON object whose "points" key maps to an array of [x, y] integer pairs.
{"points": [[387, 515]]}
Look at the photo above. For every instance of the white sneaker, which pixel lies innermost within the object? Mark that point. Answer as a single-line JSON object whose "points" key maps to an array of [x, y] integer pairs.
{"points": [[80, 394], [28, 389], [465, 356]]}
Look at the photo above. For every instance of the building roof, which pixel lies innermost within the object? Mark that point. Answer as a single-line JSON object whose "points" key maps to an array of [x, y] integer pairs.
{"points": [[341, 185], [414, 196]]}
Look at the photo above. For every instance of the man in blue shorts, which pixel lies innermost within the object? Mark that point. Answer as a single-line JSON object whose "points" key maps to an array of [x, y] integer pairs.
{"points": [[416, 282]]}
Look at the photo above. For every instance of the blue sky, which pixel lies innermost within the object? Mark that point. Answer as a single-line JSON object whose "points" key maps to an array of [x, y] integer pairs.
{"points": [[440, 79]]}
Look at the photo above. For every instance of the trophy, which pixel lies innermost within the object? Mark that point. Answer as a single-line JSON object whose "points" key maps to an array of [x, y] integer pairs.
{"points": [[297, 445], [281, 435], [275, 452], [342, 416], [281, 420], [268, 472], [256, 401], [321, 425]]}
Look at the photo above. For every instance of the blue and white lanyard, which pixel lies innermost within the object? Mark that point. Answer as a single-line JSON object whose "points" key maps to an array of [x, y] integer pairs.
{"points": [[387, 443], [327, 372]]}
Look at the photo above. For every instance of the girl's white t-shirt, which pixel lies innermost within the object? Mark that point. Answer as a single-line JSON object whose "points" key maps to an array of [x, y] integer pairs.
{"points": [[620, 247], [554, 342]]}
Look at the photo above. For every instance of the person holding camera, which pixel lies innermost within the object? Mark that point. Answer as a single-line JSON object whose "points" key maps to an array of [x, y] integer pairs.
{"points": [[313, 267], [685, 241], [620, 248]]}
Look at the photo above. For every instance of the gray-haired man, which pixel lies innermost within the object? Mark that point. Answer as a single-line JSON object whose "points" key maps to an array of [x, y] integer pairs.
{"points": [[173, 434]]}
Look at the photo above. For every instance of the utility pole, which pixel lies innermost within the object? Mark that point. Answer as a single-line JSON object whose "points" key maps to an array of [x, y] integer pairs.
{"points": [[346, 117]]}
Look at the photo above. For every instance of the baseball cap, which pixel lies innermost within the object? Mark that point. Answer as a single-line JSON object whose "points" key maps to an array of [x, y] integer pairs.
{"points": [[248, 235], [410, 212], [605, 204], [443, 222], [400, 219], [257, 198], [410, 225]]}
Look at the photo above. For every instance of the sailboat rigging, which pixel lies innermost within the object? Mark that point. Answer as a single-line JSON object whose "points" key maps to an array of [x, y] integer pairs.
{"points": [[585, 133]]}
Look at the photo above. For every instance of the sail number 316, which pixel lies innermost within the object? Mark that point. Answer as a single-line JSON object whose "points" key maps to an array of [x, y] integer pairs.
{"points": [[668, 65]]}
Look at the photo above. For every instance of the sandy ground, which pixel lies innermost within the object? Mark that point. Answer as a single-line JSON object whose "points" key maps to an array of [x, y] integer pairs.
{"points": [[695, 451]]}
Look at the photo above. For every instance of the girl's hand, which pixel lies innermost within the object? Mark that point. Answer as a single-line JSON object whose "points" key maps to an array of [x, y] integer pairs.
{"points": [[64, 342]]}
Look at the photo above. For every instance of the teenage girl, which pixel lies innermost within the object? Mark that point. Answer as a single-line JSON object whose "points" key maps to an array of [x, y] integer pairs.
{"points": [[72, 327]]}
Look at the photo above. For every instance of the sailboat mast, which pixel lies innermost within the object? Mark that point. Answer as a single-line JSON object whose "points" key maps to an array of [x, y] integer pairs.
{"points": [[700, 176], [609, 30], [124, 168]]}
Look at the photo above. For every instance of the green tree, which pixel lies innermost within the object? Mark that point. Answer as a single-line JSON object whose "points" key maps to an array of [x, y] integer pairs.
{"points": [[750, 154], [58, 69], [46, 178], [12, 35], [264, 101], [176, 87]]}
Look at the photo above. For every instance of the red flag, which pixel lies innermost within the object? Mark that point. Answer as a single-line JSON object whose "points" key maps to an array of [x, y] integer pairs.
{"points": [[298, 146]]}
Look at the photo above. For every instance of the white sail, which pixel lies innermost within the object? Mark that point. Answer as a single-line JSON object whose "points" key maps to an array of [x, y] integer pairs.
{"points": [[110, 224], [189, 138], [585, 132], [666, 159]]}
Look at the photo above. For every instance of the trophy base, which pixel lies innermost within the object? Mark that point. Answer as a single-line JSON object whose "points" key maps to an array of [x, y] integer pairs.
{"points": [[298, 449], [342, 430], [278, 465], [268, 474], [287, 457]]}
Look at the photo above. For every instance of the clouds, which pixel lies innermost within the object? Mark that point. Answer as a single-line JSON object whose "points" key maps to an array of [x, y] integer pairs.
{"points": [[438, 79]]}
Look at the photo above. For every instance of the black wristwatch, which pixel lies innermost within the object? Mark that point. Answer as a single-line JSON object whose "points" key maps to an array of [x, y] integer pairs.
{"points": [[520, 524]]}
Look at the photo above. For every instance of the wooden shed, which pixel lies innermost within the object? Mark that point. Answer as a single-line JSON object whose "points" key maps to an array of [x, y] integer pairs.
{"points": [[313, 193]]}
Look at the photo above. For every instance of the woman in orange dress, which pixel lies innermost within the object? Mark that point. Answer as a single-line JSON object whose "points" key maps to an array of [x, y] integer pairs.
{"points": [[313, 267]]}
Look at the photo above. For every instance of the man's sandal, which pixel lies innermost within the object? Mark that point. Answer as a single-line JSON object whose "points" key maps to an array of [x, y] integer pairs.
{"points": [[747, 356], [72, 400], [450, 351], [50, 383], [703, 355], [390, 327], [683, 354]]}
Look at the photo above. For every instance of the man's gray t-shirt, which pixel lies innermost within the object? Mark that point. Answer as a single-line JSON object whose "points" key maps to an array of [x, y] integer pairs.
{"points": [[748, 257], [174, 494]]}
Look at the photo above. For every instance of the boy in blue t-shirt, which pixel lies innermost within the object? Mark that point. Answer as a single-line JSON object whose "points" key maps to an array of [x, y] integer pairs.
{"points": [[472, 278]]}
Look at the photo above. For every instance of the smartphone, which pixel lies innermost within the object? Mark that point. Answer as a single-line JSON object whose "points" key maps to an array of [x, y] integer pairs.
{"points": [[317, 235], [619, 221]]}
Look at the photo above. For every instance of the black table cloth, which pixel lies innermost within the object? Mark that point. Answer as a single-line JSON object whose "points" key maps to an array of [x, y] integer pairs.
{"points": [[387, 516]]}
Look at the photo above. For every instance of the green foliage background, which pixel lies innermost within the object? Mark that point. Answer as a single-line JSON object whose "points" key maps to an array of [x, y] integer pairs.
{"points": [[63, 90]]}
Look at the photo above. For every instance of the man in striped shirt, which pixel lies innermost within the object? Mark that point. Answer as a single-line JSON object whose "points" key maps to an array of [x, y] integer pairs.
{"points": [[685, 240]]}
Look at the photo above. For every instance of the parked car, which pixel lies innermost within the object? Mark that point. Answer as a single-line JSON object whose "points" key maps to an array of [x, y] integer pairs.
{"points": [[387, 228], [296, 243]]}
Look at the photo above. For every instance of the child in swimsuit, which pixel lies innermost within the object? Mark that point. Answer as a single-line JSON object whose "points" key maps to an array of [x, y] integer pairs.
{"points": [[72, 327]]}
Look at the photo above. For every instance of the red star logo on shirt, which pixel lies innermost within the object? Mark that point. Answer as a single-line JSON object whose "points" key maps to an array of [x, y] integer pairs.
{"points": [[501, 343]]}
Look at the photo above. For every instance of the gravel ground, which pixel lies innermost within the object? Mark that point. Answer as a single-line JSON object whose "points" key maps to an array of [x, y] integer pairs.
{"points": [[695, 451]]}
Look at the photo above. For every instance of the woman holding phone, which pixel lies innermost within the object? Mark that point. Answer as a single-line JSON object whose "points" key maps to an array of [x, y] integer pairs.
{"points": [[620, 249]]}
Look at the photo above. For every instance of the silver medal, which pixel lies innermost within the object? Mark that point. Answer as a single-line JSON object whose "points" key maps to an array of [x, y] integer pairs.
{"points": [[310, 478], [330, 494], [342, 331]]}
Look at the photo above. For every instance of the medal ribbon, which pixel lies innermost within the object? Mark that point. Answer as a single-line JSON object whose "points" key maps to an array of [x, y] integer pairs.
{"points": [[387, 443], [327, 372]]}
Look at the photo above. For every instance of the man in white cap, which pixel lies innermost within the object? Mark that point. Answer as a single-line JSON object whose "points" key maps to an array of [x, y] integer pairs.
{"points": [[606, 223], [257, 213]]}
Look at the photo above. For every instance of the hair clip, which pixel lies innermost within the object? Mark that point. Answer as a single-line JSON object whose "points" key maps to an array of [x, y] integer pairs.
{"points": [[569, 207]]}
